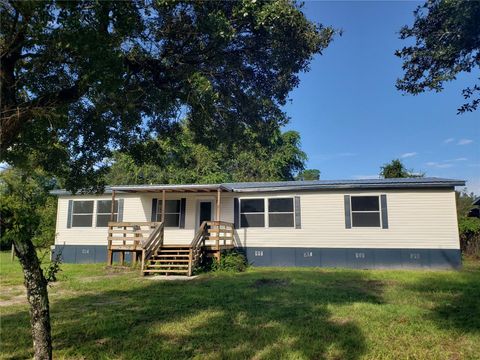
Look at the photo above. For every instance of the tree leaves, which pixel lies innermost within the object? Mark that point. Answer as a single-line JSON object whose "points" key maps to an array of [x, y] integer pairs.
{"points": [[84, 79], [447, 43], [180, 160]]}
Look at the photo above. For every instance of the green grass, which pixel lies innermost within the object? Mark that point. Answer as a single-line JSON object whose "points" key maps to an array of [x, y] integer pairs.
{"points": [[270, 313]]}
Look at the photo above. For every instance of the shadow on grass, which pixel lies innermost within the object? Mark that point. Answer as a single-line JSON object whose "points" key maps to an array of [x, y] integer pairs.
{"points": [[262, 314], [456, 298]]}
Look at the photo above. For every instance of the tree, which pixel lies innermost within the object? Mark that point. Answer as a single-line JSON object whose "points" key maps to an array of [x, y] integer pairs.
{"points": [[80, 80], [396, 169], [309, 174], [465, 202], [179, 159], [24, 198], [468, 227], [34, 188], [447, 43]]}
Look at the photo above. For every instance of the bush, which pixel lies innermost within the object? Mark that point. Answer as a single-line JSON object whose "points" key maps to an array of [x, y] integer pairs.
{"points": [[231, 260], [469, 229]]}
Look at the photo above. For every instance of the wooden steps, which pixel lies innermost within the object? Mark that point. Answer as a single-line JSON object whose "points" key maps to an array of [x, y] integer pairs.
{"points": [[170, 259], [180, 259]]}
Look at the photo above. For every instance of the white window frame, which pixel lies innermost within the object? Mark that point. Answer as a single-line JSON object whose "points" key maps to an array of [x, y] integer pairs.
{"points": [[159, 211], [282, 213], [379, 211], [83, 214], [266, 212], [109, 213]]}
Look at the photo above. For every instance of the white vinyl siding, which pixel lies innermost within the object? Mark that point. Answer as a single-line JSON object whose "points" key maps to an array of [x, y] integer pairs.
{"points": [[418, 219]]}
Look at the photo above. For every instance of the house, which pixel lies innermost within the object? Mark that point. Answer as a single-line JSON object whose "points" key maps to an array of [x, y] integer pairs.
{"points": [[380, 223], [475, 211]]}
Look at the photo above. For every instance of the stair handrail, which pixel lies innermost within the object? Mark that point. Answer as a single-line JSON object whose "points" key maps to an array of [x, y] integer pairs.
{"points": [[225, 228], [153, 243], [199, 236]]}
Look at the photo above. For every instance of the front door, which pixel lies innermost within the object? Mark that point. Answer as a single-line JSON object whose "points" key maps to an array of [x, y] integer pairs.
{"points": [[205, 212]]}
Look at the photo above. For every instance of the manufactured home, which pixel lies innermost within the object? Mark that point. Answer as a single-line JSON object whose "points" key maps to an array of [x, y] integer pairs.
{"points": [[365, 224]]}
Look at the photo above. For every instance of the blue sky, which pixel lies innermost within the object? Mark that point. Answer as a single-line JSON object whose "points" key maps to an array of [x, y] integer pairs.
{"points": [[351, 117]]}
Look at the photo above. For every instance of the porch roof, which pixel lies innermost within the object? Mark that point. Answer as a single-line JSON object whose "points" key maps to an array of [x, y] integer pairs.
{"points": [[403, 183], [170, 188]]}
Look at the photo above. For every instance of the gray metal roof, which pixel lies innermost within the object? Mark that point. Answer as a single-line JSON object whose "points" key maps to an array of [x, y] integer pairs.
{"points": [[345, 184], [402, 183]]}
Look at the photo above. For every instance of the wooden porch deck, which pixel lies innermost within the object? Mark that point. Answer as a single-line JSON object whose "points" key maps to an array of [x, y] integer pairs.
{"points": [[145, 241]]}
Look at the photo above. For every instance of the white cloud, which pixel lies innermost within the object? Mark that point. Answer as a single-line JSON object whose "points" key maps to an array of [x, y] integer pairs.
{"points": [[439, 165], [408, 154], [457, 159], [366, 177], [464, 142], [449, 140]]}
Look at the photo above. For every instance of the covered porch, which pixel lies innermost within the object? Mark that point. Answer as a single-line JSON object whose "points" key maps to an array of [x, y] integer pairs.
{"points": [[190, 215]]}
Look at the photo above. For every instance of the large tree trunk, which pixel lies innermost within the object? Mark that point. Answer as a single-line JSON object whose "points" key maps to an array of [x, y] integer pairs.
{"points": [[37, 295]]}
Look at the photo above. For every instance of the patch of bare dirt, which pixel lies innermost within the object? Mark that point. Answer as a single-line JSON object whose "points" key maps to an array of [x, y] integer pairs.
{"points": [[13, 295], [17, 295]]}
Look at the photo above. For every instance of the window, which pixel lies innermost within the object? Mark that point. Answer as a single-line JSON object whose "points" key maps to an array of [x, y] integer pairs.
{"points": [[82, 213], [104, 208], [172, 213], [280, 212], [365, 211], [252, 213]]}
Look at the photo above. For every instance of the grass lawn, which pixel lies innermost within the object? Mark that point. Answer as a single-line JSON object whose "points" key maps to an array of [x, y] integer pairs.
{"points": [[264, 313]]}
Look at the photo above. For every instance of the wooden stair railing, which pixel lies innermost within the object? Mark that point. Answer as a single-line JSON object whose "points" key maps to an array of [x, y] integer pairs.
{"points": [[217, 234], [196, 247], [220, 236], [181, 259], [152, 245], [127, 237]]}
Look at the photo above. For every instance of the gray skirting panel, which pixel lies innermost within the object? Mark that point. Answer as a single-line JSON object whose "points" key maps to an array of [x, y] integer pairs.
{"points": [[322, 257], [84, 254], [355, 258]]}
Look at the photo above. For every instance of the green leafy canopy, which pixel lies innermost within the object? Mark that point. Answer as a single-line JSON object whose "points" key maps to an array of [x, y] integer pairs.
{"points": [[83, 79], [396, 169], [447, 43]]}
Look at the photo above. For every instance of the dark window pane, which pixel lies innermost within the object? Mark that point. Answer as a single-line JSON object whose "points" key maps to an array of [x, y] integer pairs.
{"points": [[280, 220], [280, 205], [171, 206], [365, 203], [172, 220], [366, 219], [252, 205], [82, 220], [83, 207], [252, 220], [102, 220], [105, 206]]}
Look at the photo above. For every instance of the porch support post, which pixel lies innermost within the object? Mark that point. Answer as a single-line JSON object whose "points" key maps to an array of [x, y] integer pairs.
{"points": [[219, 192], [109, 250], [112, 209], [163, 206], [217, 227]]}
